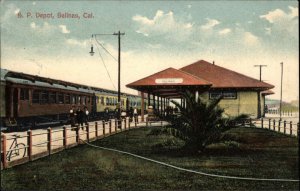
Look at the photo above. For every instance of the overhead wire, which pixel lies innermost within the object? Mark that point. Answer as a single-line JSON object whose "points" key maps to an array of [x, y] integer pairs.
{"points": [[106, 50], [105, 67]]}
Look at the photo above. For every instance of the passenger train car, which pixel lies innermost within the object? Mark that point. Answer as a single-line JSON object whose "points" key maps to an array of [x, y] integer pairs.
{"points": [[29, 101]]}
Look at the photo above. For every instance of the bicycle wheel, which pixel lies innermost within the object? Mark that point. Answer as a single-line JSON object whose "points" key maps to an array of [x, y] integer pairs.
{"points": [[22, 149]]}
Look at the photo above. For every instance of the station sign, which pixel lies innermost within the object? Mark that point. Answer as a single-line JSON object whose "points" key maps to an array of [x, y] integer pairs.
{"points": [[168, 80]]}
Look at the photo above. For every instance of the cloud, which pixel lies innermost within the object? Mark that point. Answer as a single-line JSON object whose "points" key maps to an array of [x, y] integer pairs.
{"points": [[268, 31], [210, 24], [281, 21], [47, 28], [224, 31], [139, 32], [33, 25], [250, 39], [75, 42], [163, 24], [274, 16], [64, 29]]}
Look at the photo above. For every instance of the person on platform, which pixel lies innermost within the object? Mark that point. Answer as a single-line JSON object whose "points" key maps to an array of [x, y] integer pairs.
{"points": [[135, 114], [79, 117], [130, 112], [86, 115], [72, 116]]}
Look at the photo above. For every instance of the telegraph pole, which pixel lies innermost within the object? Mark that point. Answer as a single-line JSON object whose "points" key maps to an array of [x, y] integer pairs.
{"points": [[281, 64], [119, 70], [119, 73], [260, 66]]}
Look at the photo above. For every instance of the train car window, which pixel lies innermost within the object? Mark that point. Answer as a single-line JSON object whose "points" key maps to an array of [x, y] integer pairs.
{"points": [[107, 101], [115, 101], [78, 99], [24, 94], [36, 96], [52, 97], [88, 100], [83, 100], [102, 100], [60, 98], [73, 100], [44, 97], [68, 98]]}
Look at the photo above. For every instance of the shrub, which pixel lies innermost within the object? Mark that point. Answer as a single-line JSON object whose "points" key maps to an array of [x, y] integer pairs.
{"points": [[200, 123]]}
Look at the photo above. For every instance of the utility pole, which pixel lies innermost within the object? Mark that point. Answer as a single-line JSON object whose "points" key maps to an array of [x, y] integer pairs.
{"points": [[281, 64], [119, 71], [260, 66]]}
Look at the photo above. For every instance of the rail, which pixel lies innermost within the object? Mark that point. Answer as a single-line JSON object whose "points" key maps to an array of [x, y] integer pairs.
{"points": [[36, 144]]}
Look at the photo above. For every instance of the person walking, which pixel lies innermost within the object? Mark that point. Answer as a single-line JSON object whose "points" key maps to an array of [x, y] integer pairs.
{"points": [[79, 117], [135, 114], [72, 116], [86, 115], [130, 112]]}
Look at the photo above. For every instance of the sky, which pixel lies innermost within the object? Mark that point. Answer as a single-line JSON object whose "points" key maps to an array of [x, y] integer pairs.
{"points": [[237, 35]]}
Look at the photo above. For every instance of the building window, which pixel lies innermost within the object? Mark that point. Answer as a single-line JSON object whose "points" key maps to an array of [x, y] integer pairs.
{"points": [[102, 100], [24, 94], [225, 94], [36, 96], [229, 95], [107, 101], [44, 97], [214, 95], [60, 98], [52, 97]]}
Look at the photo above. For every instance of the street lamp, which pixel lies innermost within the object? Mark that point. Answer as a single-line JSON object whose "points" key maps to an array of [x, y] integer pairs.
{"points": [[92, 51], [119, 69]]}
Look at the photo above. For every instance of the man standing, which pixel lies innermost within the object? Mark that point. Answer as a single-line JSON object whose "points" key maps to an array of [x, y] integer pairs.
{"points": [[72, 116]]}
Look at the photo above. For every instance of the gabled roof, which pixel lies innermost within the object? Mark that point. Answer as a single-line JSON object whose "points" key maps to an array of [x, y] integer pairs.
{"points": [[168, 82], [169, 76], [224, 78]]}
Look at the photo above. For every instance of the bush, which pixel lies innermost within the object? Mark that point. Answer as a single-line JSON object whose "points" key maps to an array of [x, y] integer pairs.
{"points": [[200, 123]]}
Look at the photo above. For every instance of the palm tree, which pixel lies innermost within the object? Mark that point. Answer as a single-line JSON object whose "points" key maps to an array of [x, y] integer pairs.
{"points": [[199, 123]]}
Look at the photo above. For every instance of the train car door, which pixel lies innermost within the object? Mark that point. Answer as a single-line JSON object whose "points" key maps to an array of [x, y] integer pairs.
{"points": [[15, 102]]}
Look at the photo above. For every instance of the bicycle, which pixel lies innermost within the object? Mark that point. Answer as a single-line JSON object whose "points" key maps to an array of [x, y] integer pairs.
{"points": [[16, 149]]}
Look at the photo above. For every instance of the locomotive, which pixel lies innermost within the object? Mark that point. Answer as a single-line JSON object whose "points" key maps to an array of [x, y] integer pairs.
{"points": [[29, 101]]}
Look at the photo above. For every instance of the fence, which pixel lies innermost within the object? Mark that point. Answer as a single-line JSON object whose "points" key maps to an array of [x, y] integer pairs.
{"points": [[32, 145], [283, 112], [289, 128]]}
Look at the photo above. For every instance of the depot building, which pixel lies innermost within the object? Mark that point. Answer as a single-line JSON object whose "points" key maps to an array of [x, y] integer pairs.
{"points": [[241, 94]]}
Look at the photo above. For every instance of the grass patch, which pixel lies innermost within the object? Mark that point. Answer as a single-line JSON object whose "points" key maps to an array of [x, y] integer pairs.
{"points": [[244, 152]]}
